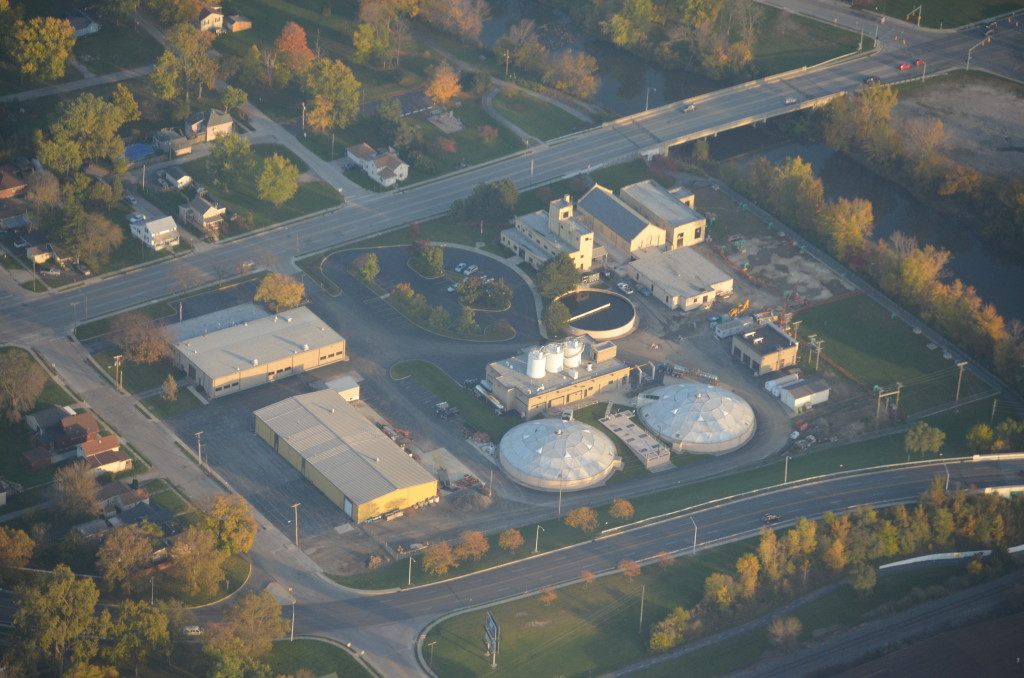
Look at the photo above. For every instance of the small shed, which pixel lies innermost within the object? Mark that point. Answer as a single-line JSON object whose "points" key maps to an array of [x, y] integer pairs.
{"points": [[803, 395]]}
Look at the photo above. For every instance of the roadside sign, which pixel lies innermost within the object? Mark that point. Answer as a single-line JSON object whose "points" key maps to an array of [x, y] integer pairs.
{"points": [[491, 636]]}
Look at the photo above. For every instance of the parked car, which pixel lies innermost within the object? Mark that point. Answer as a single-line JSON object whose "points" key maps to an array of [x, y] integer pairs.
{"points": [[83, 269], [453, 287], [624, 288], [137, 217], [471, 269], [22, 244], [459, 266], [52, 272], [790, 101], [643, 290], [871, 80], [130, 199], [689, 108], [904, 67]]}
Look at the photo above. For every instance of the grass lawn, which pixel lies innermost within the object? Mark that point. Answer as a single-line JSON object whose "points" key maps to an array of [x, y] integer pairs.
{"points": [[951, 13], [115, 48], [242, 199], [163, 408], [137, 377], [631, 466], [167, 200], [96, 328], [165, 496], [319, 657], [536, 116], [786, 41], [876, 349]]}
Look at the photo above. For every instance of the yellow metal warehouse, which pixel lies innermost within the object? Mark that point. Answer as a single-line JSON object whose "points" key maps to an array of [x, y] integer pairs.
{"points": [[344, 455]]}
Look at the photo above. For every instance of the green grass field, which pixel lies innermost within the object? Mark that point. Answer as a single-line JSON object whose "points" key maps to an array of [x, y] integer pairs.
{"points": [[163, 408], [136, 377], [787, 41], [876, 349], [536, 116], [116, 48], [951, 13]]}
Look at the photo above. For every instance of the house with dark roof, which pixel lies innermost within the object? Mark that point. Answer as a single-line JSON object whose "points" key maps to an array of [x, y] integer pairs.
{"points": [[82, 23], [171, 142], [384, 167], [120, 497], [203, 215], [11, 183], [236, 23], [616, 222], [177, 176]]}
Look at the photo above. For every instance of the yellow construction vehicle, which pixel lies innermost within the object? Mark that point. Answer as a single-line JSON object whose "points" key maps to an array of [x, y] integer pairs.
{"points": [[736, 310]]}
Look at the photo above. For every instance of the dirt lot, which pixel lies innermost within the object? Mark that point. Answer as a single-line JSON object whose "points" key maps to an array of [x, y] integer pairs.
{"points": [[982, 119]]}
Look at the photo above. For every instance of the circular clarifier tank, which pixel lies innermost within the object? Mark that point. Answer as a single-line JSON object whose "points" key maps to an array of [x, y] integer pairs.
{"points": [[599, 313]]}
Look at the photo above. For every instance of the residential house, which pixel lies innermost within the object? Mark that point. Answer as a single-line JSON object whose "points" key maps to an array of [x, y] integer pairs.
{"points": [[158, 234], [177, 176], [237, 23], [172, 143], [104, 455], [120, 497], [211, 18], [57, 435], [92, 529], [18, 224], [38, 254], [208, 125], [204, 216], [8, 489], [41, 420], [82, 23], [11, 183], [384, 167], [63, 258], [539, 237]]}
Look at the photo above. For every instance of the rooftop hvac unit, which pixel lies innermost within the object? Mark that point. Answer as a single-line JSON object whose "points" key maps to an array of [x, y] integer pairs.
{"points": [[255, 362], [305, 347], [289, 319]]}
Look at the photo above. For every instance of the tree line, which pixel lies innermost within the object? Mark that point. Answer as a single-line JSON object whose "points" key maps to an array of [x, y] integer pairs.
{"points": [[848, 545]]}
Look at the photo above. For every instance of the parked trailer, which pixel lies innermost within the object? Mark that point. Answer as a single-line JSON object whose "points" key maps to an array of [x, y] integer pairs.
{"points": [[774, 386]]}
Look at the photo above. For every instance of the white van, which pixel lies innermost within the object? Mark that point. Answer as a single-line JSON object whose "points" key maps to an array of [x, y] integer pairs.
{"points": [[193, 630]]}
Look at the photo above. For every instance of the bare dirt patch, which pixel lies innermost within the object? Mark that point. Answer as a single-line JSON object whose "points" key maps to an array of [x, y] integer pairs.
{"points": [[982, 119]]}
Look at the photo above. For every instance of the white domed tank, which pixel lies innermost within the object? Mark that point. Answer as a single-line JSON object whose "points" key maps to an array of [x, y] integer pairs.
{"points": [[535, 364], [556, 455], [573, 353], [555, 359], [698, 418]]}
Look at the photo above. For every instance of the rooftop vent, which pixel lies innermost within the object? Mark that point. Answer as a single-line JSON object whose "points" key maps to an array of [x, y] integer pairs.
{"points": [[255, 362], [289, 319], [305, 347]]}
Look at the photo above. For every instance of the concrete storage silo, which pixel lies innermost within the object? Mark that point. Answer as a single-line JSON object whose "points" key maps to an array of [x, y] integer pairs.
{"points": [[555, 358], [556, 455], [535, 364], [698, 418], [573, 353]]}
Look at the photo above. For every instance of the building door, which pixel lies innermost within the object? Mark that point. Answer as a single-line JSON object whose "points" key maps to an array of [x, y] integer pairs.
{"points": [[348, 508]]}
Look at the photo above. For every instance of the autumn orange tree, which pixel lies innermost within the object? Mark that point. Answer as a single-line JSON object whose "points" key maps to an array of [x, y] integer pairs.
{"points": [[621, 509], [293, 52], [630, 568], [510, 540], [583, 518], [444, 85], [280, 292], [547, 595], [142, 340], [438, 558], [472, 546]]}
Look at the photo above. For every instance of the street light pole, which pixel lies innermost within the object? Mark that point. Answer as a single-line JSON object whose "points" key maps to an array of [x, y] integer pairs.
{"points": [[296, 506], [292, 639], [785, 473], [431, 645], [559, 495], [199, 447], [409, 580], [647, 98], [694, 535], [536, 538], [74, 307], [959, 378]]}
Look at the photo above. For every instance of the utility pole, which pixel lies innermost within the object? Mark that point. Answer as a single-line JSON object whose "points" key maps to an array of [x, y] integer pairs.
{"points": [[295, 507], [431, 645], [560, 484], [292, 640], [74, 307], [647, 99], [199, 447], [882, 393], [992, 417], [959, 378]]}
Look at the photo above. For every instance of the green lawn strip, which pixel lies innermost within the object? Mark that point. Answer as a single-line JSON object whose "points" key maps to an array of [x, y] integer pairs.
{"points": [[235, 571], [163, 495], [163, 408], [715, 660], [137, 377], [311, 196], [311, 265], [317, 656], [536, 116], [264, 151], [782, 46], [952, 13], [167, 200], [631, 466], [115, 48]]}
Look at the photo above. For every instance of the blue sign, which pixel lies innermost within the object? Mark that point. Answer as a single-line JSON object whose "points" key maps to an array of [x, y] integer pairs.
{"points": [[491, 633]]}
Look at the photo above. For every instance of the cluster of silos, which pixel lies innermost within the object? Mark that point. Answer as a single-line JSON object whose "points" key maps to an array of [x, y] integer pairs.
{"points": [[556, 455], [554, 358], [698, 418]]}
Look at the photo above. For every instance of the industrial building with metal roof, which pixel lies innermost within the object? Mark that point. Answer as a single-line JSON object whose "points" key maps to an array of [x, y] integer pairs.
{"points": [[682, 278], [344, 455], [248, 353]]}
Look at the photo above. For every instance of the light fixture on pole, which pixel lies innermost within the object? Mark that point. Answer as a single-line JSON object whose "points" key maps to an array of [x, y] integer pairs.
{"points": [[785, 473], [199, 447], [536, 538], [959, 378], [560, 484], [295, 507], [409, 580], [292, 640], [647, 98], [431, 645], [694, 535]]}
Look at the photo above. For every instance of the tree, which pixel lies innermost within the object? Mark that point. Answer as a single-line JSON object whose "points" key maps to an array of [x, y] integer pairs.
{"points": [[487, 133], [665, 560], [279, 180], [141, 339], [557, 276], [232, 160], [573, 72], [621, 509], [186, 64], [75, 488], [466, 324], [366, 267], [256, 621], [197, 560], [924, 439], [769, 553], [124, 100], [438, 558], [834, 556], [472, 546], [16, 549], [747, 568], [170, 388], [668, 633], [231, 519], [980, 438], [547, 595], [863, 577], [583, 518], [334, 89], [701, 151], [445, 145], [124, 552], [630, 568], [55, 619], [87, 126], [280, 292], [588, 578], [510, 540], [139, 631], [121, 11], [440, 318], [784, 632], [427, 259], [174, 11], [22, 380], [89, 236], [720, 590], [444, 85], [41, 46], [293, 49], [847, 225], [233, 98]]}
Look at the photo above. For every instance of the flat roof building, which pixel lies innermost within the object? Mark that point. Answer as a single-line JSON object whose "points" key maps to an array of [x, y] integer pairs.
{"points": [[673, 213], [681, 278], [765, 349], [556, 375], [255, 352], [538, 237], [344, 455]]}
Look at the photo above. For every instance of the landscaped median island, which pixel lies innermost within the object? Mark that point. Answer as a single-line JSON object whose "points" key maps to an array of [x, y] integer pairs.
{"points": [[597, 625]]}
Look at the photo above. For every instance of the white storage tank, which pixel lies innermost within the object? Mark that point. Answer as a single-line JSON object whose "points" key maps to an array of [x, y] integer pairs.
{"points": [[535, 364], [555, 359], [777, 384], [573, 353]]}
